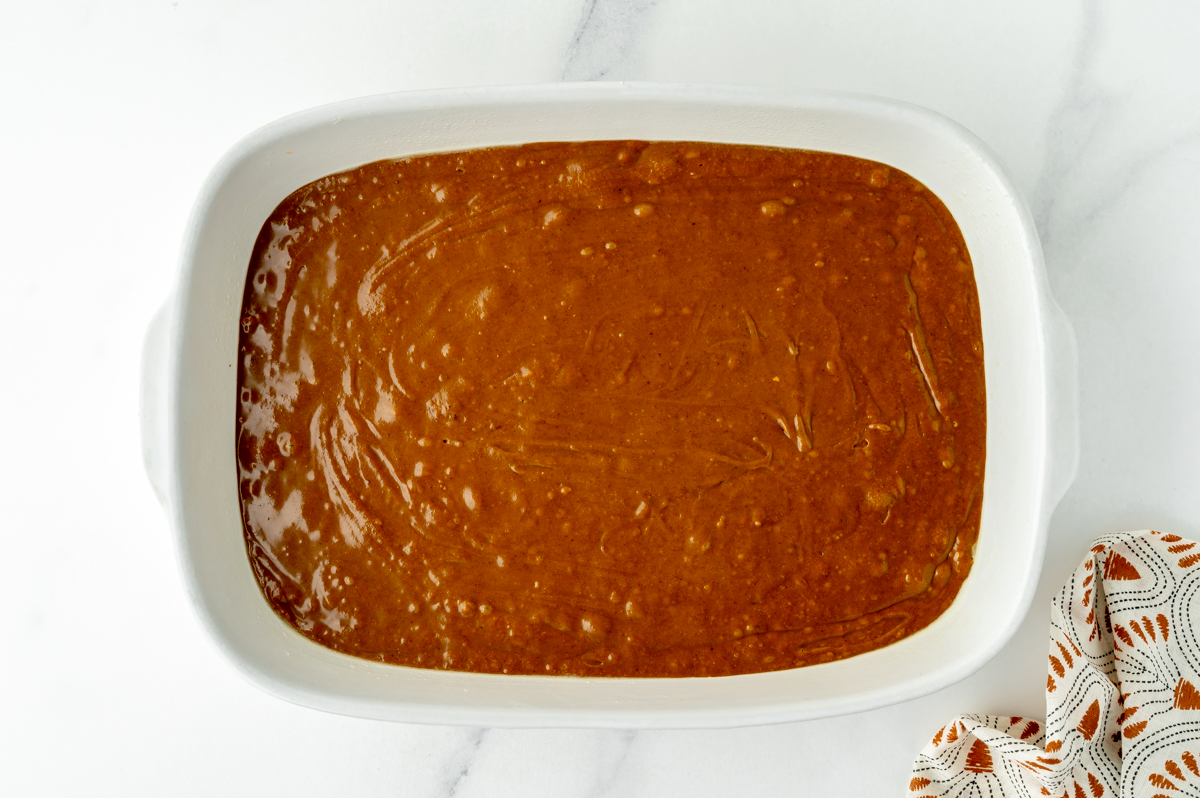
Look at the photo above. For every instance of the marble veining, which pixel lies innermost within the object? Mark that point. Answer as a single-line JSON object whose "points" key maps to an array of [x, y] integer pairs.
{"points": [[1088, 166], [604, 38], [458, 766], [1072, 122]]}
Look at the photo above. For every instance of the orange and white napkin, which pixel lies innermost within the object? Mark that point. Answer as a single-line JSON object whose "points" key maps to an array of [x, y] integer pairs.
{"points": [[1122, 694]]}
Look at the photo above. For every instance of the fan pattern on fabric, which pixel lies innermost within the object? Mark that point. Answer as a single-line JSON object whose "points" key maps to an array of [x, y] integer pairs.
{"points": [[1122, 690]]}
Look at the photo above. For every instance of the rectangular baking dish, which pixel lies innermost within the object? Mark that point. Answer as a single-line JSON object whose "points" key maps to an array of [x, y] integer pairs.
{"points": [[190, 376]]}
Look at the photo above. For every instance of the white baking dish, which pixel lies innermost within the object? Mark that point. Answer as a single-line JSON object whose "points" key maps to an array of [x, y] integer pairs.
{"points": [[190, 376]]}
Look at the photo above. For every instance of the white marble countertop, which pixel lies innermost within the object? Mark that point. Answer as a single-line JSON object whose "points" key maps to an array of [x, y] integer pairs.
{"points": [[113, 114]]}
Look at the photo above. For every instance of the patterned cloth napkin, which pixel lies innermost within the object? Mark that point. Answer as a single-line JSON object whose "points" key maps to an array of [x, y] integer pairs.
{"points": [[1122, 694]]}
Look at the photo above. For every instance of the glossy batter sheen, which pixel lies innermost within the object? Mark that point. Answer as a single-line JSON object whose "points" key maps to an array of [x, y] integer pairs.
{"points": [[611, 408]]}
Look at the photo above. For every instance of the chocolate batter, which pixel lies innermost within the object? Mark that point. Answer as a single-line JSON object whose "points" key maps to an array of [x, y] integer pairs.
{"points": [[611, 409]]}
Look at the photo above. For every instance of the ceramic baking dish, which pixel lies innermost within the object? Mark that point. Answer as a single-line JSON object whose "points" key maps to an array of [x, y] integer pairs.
{"points": [[190, 376]]}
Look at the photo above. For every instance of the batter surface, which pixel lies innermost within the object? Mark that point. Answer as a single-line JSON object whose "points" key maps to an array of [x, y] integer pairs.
{"points": [[611, 408]]}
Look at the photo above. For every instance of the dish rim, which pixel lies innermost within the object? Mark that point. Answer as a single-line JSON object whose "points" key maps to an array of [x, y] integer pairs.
{"points": [[1057, 465]]}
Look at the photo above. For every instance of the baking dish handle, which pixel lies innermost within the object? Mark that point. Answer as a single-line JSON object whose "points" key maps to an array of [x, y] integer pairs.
{"points": [[1062, 393], [153, 410]]}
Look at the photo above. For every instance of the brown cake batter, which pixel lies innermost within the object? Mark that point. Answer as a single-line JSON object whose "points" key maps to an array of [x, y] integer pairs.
{"points": [[611, 408]]}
